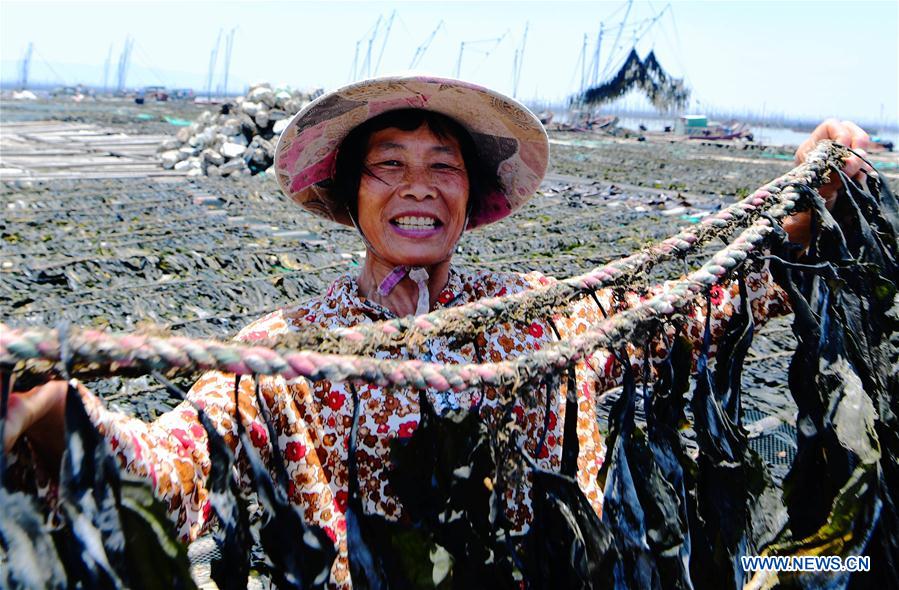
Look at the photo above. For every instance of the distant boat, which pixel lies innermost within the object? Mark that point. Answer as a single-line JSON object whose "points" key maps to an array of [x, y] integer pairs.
{"points": [[207, 100], [699, 127], [590, 123], [880, 144], [603, 122]]}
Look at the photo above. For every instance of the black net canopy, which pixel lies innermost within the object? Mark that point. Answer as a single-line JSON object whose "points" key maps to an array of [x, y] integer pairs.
{"points": [[647, 75]]}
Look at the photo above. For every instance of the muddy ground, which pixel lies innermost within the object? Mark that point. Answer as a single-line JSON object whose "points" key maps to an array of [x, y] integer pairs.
{"points": [[202, 257], [123, 114]]}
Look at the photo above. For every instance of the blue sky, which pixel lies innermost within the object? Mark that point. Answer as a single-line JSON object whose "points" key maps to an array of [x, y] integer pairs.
{"points": [[809, 59]]}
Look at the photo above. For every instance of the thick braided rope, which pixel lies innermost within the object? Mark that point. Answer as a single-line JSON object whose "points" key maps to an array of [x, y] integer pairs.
{"points": [[468, 319], [93, 351]]}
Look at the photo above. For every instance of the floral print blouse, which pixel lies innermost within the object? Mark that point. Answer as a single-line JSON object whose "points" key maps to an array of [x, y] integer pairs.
{"points": [[313, 420]]}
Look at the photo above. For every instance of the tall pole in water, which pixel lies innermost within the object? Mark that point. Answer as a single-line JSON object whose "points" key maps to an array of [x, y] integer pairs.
{"points": [[212, 60], [627, 13], [584, 65], [124, 59], [366, 65], [128, 60], [384, 43], [519, 58], [353, 70], [515, 74], [459, 61], [594, 79], [106, 69], [420, 51], [229, 44], [26, 66]]}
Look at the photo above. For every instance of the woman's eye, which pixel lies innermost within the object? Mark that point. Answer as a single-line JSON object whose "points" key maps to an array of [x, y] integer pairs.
{"points": [[390, 163], [443, 166]]}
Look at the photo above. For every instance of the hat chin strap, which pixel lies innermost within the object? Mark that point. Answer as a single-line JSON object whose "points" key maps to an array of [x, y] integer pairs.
{"points": [[418, 274]]}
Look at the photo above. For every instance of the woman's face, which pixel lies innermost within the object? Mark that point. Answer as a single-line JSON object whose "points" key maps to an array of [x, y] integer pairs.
{"points": [[412, 205]]}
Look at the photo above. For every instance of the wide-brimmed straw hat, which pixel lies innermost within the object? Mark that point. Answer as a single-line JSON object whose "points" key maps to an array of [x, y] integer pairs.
{"points": [[508, 138]]}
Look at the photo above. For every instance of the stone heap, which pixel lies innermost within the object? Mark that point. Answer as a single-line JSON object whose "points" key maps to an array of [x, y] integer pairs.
{"points": [[237, 140]]}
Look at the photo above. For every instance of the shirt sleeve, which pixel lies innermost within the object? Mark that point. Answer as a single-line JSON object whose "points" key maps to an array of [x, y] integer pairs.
{"points": [[172, 452]]}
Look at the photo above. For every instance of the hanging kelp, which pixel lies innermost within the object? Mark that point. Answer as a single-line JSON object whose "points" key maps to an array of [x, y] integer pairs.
{"points": [[672, 518], [114, 533], [736, 508], [670, 539], [297, 555], [291, 553], [623, 508], [842, 488], [665, 93], [454, 531]]}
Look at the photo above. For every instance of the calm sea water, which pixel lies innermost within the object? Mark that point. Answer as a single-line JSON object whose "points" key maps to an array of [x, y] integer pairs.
{"points": [[780, 136]]}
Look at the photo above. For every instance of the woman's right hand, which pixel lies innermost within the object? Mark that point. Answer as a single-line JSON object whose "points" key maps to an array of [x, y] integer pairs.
{"points": [[39, 414], [847, 133]]}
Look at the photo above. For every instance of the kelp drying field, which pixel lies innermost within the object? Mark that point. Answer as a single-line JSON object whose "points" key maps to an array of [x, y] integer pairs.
{"points": [[202, 257]]}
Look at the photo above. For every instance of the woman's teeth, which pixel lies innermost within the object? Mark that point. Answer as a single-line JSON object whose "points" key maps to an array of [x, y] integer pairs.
{"points": [[416, 222]]}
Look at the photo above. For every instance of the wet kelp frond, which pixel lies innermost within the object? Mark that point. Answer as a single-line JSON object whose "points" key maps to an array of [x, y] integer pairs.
{"points": [[665, 92], [736, 508], [841, 489], [117, 533], [671, 518], [297, 554], [27, 549]]}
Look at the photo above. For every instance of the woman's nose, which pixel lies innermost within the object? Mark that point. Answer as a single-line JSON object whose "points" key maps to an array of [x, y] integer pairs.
{"points": [[418, 191], [418, 183]]}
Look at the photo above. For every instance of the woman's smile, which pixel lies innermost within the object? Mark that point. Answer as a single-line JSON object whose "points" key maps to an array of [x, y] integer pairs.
{"points": [[416, 225]]}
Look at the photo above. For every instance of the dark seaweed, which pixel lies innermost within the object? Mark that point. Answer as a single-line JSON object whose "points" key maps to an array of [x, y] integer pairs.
{"points": [[382, 553], [840, 491], [27, 550], [737, 508], [567, 546], [623, 510], [669, 534], [664, 91], [116, 523]]}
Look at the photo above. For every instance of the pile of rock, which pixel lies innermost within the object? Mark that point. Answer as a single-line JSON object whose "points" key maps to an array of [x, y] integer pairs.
{"points": [[237, 140]]}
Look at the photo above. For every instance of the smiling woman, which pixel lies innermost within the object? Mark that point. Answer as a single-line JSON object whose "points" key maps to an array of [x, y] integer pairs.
{"points": [[407, 179], [412, 163], [412, 205]]}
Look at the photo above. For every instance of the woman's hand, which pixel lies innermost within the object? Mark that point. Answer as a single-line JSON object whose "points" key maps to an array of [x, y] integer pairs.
{"points": [[847, 133], [39, 414]]}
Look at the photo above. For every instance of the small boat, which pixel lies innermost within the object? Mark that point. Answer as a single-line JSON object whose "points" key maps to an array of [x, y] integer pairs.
{"points": [[604, 122], [699, 127], [588, 123], [880, 144]]}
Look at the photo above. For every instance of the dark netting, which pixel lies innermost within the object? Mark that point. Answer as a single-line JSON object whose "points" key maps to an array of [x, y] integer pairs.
{"points": [[646, 75]]}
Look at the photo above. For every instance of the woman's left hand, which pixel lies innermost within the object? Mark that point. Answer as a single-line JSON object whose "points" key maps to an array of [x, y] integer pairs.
{"points": [[847, 133]]}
